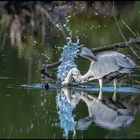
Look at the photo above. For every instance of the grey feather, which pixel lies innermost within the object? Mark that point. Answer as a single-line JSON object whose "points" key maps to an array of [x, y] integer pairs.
{"points": [[106, 63]]}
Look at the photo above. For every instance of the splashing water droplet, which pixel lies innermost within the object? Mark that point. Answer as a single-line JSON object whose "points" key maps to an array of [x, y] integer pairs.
{"points": [[96, 13], [67, 58], [69, 52]]}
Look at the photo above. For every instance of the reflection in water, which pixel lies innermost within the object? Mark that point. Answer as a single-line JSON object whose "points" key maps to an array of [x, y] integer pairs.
{"points": [[65, 106], [106, 113]]}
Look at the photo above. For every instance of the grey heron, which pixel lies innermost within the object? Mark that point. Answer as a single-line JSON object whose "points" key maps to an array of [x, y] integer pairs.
{"points": [[108, 65]]}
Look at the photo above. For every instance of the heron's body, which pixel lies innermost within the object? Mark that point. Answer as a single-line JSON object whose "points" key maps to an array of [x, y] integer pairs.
{"points": [[109, 65]]}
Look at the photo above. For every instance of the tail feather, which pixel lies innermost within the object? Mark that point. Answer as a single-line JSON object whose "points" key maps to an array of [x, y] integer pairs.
{"points": [[87, 53]]}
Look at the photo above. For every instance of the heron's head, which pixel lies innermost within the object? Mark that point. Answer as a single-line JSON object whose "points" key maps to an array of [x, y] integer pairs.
{"points": [[87, 53], [75, 72]]}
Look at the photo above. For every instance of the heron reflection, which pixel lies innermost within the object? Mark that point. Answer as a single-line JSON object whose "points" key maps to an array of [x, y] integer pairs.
{"points": [[105, 113]]}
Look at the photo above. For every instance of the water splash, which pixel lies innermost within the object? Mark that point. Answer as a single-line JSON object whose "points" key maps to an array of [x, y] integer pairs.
{"points": [[65, 109], [32, 86], [67, 58], [65, 26], [69, 51]]}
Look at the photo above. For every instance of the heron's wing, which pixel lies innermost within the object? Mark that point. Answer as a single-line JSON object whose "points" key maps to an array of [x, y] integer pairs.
{"points": [[122, 60], [104, 66], [125, 62], [111, 61]]}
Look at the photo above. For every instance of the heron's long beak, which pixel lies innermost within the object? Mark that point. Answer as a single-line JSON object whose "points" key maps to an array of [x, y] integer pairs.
{"points": [[86, 53]]}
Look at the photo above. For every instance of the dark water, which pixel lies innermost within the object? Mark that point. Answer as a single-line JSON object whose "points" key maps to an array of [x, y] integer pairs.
{"points": [[30, 111]]}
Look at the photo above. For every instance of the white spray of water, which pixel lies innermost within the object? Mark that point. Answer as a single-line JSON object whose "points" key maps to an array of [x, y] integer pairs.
{"points": [[68, 56]]}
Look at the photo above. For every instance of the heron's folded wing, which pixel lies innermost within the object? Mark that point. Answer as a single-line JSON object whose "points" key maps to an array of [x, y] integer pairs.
{"points": [[126, 62], [104, 66]]}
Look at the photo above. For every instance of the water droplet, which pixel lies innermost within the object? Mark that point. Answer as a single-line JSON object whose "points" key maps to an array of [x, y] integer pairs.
{"points": [[96, 13], [32, 125], [42, 103]]}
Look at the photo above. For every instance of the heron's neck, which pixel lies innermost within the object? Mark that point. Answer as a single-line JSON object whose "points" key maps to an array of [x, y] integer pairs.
{"points": [[89, 72], [75, 74]]}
